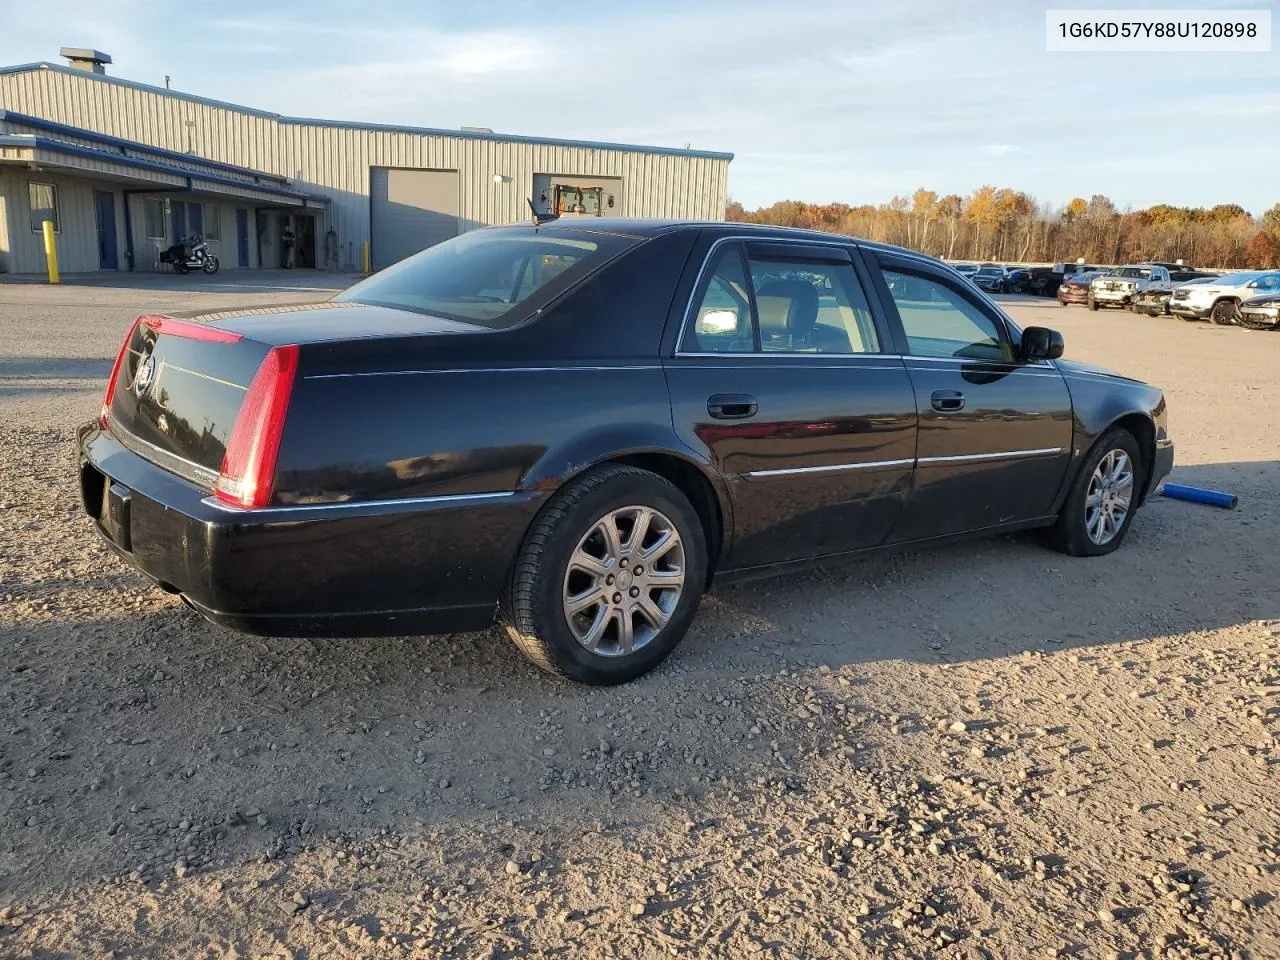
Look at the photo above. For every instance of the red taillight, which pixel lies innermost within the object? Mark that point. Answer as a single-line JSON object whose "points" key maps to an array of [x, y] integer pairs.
{"points": [[249, 466], [192, 331], [115, 373]]}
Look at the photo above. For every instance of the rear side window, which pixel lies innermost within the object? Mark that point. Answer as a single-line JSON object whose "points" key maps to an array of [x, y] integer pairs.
{"points": [[494, 278], [941, 322], [787, 306], [722, 319]]}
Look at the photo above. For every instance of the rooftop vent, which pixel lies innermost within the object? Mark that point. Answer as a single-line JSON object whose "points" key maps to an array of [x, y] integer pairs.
{"points": [[476, 130], [82, 58]]}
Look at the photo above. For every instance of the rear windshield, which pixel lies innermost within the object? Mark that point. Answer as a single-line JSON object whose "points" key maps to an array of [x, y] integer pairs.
{"points": [[494, 278]]}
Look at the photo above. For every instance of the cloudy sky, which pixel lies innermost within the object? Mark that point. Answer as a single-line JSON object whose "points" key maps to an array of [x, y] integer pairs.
{"points": [[843, 100]]}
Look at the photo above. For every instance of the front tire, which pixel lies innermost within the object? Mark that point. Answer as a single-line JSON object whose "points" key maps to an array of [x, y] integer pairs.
{"points": [[1226, 313], [210, 265], [1103, 497], [608, 578], [1093, 304]]}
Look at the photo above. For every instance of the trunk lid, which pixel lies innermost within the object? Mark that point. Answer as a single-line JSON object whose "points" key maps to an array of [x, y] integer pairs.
{"points": [[176, 396], [183, 377]]}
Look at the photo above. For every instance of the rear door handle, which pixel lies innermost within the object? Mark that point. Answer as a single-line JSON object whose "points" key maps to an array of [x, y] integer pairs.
{"points": [[947, 401], [732, 406]]}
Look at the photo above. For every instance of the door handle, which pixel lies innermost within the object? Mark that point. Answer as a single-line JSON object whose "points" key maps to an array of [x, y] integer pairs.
{"points": [[947, 401], [732, 406]]}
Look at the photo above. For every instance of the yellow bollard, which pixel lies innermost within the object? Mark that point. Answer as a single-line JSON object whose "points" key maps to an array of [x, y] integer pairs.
{"points": [[51, 251], [365, 251]]}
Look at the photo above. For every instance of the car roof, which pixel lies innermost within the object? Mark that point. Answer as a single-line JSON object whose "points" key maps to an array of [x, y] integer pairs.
{"points": [[642, 228]]}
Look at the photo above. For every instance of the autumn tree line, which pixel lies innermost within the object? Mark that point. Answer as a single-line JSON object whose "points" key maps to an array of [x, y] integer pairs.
{"points": [[1009, 226]]}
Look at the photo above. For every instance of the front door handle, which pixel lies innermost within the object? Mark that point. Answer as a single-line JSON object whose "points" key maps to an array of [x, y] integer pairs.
{"points": [[732, 406], [947, 401]]}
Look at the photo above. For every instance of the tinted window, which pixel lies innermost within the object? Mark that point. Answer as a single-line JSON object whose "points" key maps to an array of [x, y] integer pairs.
{"points": [[800, 307], [722, 317], [940, 322], [811, 308], [494, 278]]}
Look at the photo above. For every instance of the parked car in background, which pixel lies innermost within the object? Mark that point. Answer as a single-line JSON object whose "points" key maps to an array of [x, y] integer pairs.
{"points": [[1221, 297], [1017, 280], [966, 270], [1075, 288], [613, 443], [1154, 301], [989, 278], [1046, 280], [1261, 312], [1119, 287]]}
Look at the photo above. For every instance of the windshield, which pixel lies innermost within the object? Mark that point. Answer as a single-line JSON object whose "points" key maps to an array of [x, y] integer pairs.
{"points": [[991, 272], [494, 278], [1142, 272]]}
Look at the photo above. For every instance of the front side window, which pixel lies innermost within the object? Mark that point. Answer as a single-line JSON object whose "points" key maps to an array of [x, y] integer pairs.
{"points": [[153, 213], [44, 205], [800, 306], [489, 277], [940, 322]]}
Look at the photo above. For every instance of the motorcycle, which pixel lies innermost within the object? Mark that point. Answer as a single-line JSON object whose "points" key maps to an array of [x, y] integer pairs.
{"points": [[190, 253]]}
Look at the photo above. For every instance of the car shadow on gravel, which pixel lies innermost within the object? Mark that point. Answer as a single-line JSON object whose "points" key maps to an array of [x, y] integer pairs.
{"points": [[121, 726]]}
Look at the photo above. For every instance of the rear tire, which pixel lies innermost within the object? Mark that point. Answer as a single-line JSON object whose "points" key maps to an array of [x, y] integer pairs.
{"points": [[592, 522], [1098, 488]]}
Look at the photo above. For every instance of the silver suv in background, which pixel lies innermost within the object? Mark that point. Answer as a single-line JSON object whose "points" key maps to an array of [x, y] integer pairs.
{"points": [[1220, 299], [1119, 287]]}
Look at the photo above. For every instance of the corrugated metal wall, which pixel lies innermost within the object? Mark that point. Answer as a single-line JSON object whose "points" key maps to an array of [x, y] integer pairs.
{"points": [[335, 160], [77, 224]]}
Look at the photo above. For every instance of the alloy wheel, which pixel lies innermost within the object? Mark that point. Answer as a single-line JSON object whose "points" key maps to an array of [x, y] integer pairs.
{"points": [[1108, 498], [624, 581]]}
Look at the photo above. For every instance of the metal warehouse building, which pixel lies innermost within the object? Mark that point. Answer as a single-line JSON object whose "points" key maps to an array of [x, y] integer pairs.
{"points": [[125, 169]]}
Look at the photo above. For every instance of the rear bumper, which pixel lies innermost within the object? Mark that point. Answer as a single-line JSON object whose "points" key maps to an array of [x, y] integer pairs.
{"points": [[1181, 308], [431, 565]]}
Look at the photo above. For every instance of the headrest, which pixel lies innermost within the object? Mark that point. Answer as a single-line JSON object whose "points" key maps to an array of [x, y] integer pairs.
{"points": [[790, 306]]}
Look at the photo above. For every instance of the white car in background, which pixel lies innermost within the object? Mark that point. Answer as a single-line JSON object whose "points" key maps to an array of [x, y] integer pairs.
{"points": [[1220, 299]]}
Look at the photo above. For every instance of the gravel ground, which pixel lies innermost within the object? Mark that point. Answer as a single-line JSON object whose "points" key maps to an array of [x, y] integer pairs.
{"points": [[984, 751]]}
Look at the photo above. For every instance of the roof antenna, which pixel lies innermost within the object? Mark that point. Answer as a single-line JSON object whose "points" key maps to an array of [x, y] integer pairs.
{"points": [[540, 218]]}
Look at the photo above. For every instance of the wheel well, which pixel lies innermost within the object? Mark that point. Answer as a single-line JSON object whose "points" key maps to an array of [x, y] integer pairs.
{"points": [[694, 485], [1144, 432]]}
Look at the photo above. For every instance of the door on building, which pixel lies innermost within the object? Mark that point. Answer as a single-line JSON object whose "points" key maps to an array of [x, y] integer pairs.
{"points": [[305, 228], [242, 237], [177, 220], [105, 202], [410, 210]]}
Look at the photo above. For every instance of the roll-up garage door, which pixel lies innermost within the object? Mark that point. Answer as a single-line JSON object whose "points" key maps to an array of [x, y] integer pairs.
{"points": [[409, 211]]}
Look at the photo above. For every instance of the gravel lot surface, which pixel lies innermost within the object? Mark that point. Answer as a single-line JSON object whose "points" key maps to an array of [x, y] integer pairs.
{"points": [[988, 750]]}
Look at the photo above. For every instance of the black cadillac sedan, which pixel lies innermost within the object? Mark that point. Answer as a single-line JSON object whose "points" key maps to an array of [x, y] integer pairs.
{"points": [[577, 427]]}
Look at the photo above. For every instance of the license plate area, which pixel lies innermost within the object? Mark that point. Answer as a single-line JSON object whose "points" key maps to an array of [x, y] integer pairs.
{"points": [[113, 517]]}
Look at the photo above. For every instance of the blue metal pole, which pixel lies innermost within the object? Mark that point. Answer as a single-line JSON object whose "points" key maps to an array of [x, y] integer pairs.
{"points": [[1176, 491]]}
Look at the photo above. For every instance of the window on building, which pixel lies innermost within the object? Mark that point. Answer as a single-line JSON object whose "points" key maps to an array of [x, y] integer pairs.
{"points": [[44, 205], [583, 201], [153, 211], [195, 219], [212, 222]]}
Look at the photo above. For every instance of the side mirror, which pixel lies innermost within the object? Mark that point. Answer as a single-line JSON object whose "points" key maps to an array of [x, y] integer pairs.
{"points": [[1041, 343], [1251, 284]]}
